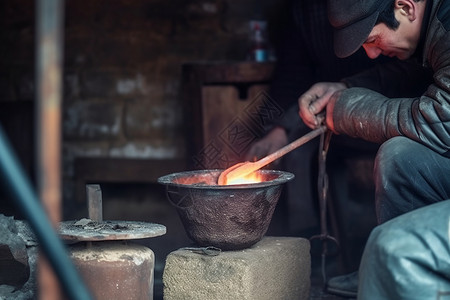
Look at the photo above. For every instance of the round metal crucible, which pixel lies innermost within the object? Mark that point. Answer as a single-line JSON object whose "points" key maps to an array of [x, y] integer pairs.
{"points": [[230, 217]]}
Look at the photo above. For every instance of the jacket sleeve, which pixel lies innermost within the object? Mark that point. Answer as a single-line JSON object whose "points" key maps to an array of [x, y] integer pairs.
{"points": [[366, 114]]}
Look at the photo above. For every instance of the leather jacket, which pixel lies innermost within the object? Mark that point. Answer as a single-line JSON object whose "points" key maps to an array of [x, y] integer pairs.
{"points": [[368, 114]]}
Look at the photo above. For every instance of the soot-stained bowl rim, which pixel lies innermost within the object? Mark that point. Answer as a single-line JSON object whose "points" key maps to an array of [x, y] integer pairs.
{"points": [[168, 180]]}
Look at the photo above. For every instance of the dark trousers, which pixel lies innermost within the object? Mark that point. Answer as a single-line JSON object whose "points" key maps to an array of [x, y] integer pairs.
{"points": [[408, 175], [408, 257]]}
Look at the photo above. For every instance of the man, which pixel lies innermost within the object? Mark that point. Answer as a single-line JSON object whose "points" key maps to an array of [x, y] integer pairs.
{"points": [[412, 166], [305, 56]]}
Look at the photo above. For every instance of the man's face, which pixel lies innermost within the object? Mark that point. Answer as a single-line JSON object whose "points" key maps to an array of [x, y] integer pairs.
{"points": [[400, 43]]}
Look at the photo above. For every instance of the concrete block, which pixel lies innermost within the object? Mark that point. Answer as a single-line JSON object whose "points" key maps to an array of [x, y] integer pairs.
{"points": [[274, 268]]}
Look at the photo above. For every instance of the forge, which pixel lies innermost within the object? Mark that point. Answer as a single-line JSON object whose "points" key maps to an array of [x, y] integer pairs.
{"points": [[229, 217]]}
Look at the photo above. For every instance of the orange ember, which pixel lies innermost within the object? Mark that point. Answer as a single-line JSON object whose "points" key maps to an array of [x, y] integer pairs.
{"points": [[254, 177]]}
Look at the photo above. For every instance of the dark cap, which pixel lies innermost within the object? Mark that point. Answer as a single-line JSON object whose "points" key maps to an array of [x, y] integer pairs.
{"points": [[353, 20]]}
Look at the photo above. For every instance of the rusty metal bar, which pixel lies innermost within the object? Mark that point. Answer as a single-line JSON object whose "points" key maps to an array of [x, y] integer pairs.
{"points": [[49, 29], [48, 79]]}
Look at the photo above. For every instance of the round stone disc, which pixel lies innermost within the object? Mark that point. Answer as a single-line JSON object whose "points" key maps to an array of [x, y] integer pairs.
{"points": [[89, 230]]}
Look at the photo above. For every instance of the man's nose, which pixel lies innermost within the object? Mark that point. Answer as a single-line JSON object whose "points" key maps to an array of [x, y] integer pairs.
{"points": [[372, 52]]}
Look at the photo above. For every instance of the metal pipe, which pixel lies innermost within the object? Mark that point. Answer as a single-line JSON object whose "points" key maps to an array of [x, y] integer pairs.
{"points": [[17, 183], [49, 29], [48, 85], [48, 116]]}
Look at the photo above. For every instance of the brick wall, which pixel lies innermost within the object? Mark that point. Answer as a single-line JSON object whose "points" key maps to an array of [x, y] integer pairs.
{"points": [[122, 67]]}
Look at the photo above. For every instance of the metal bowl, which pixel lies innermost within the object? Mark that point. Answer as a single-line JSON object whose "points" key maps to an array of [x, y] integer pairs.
{"points": [[230, 217]]}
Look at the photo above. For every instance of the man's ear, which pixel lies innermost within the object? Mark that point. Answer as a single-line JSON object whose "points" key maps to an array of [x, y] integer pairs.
{"points": [[407, 8]]}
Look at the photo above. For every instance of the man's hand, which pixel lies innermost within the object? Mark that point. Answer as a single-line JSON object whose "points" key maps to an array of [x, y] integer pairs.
{"points": [[274, 140], [315, 100]]}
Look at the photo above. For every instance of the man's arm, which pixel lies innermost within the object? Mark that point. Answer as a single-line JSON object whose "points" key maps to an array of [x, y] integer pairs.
{"points": [[366, 114]]}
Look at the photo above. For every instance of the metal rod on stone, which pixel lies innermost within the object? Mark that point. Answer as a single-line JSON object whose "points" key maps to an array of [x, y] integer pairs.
{"points": [[94, 198]]}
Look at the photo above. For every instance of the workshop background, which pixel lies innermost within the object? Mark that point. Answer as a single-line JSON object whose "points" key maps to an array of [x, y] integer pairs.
{"points": [[123, 103], [122, 95], [122, 68]]}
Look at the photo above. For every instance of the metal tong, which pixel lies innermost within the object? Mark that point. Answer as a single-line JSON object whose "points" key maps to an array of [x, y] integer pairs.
{"points": [[322, 185]]}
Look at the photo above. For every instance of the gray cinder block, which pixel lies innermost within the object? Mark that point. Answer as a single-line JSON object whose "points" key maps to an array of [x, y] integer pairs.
{"points": [[274, 268]]}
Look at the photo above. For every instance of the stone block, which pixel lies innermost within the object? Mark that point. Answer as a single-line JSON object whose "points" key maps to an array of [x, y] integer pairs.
{"points": [[274, 268], [18, 259]]}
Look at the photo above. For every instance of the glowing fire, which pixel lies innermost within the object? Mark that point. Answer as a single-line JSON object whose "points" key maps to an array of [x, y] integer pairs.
{"points": [[254, 177]]}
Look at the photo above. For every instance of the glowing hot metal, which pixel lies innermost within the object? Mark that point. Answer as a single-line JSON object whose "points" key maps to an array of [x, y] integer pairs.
{"points": [[235, 173]]}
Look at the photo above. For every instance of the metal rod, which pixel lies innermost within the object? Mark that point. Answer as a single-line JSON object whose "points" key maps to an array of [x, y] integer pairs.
{"points": [[94, 198], [241, 170], [322, 185], [48, 116], [48, 86], [20, 187], [49, 32]]}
